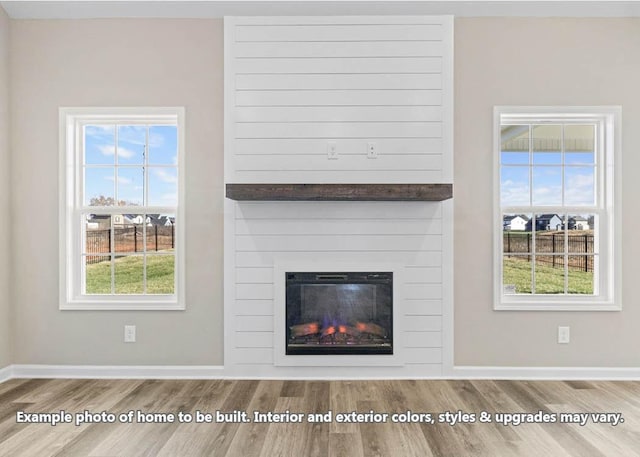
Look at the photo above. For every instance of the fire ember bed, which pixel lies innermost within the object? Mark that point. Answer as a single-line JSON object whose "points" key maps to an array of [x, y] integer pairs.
{"points": [[339, 313]]}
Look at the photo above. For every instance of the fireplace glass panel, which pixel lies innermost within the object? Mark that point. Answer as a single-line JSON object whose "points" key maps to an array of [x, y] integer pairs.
{"points": [[339, 313]]}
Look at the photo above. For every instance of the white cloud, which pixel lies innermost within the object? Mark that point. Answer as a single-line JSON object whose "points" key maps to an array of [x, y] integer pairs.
{"points": [[579, 189], [93, 130], [133, 134], [165, 177], [108, 150], [156, 140], [514, 193], [121, 179]]}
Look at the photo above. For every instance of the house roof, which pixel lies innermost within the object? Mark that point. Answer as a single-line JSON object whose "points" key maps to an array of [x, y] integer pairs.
{"points": [[509, 218], [547, 217]]}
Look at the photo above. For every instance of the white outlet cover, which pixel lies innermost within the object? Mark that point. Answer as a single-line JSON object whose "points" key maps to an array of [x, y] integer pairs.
{"points": [[564, 335], [129, 333], [332, 150]]}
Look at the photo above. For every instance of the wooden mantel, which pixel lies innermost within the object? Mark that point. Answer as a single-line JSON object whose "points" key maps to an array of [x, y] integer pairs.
{"points": [[339, 192]]}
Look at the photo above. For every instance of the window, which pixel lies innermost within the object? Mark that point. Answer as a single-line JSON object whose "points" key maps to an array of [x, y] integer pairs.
{"points": [[121, 236], [556, 208]]}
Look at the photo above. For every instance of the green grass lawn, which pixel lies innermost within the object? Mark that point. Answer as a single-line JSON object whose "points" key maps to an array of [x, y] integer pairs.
{"points": [[128, 275], [549, 280]]}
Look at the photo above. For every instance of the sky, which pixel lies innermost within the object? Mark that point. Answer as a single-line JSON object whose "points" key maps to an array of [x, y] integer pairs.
{"points": [[103, 177], [536, 178]]}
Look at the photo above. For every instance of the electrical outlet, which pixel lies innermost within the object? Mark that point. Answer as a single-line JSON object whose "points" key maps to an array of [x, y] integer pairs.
{"points": [[332, 150], [564, 335], [372, 150], [129, 333]]}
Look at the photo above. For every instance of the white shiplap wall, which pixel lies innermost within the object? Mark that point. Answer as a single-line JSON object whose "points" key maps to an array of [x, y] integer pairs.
{"points": [[294, 84], [409, 234]]}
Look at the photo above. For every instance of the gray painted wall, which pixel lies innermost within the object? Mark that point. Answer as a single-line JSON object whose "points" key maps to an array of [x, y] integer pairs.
{"points": [[179, 62], [517, 61], [5, 259], [115, 63]]}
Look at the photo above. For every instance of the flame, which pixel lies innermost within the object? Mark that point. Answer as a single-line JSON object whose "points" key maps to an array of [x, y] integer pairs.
{"points": [[342, 329], [330, 331]]}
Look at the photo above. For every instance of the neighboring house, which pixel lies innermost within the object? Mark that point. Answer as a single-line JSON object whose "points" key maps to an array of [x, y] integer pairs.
{"points": [[518, 222], [138, 219], [122, 219], [546, 222], [579, 223], [161, 220], [98, 222]]}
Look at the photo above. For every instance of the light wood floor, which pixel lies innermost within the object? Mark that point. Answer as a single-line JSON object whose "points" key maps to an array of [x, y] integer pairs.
{"points": [[319, 439]]}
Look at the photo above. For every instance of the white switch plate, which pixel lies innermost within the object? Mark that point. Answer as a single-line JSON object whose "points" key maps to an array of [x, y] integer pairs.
{"points": [[372, 150], [564, 335], [129, 333], [332, 150]]}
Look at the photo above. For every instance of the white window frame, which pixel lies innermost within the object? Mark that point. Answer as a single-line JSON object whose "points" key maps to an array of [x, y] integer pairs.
{"points": [[607, 290], [70, 181]]}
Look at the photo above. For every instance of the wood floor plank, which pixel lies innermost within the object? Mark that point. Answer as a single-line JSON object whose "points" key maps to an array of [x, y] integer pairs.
{"points": [[343, 398], [249, 439], [143, 437], [345, 445], [293, 389], [222, 435], [316, 435], [319, 439], [283, 438], [191, 438], [11, 384]]}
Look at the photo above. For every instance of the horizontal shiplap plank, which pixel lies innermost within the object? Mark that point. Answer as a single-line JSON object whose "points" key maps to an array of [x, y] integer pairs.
{"points": [[422, 258], [304, 49], [422, 355], [423, 307], [254, 291], [430, 275], [337, 176], [338, 97], [339, 210], [422, 323], [254, 323], [253, 356], [422, 291], [423, 339], [379, 31], [299, 114], [339, 130], [384, 162], [338, 20], [388, 65], [337, 227], [254, 275], [319, 243], [299, 146], [253, 307], [255, 339], [336, 81]]}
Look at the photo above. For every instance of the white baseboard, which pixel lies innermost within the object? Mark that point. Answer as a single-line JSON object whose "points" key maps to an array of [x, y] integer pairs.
{"points": [[546, 373], [117, 372], [218, 372], [6, 373]]}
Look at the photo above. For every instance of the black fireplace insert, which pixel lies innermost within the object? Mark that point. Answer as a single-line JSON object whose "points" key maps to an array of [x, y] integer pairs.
{"points": [[339, 313]]}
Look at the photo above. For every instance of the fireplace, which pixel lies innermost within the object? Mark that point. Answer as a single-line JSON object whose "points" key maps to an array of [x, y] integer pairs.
{"points": [[339, 313]]}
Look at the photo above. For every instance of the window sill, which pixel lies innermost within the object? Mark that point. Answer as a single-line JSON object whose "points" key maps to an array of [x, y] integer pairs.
{"points": [[557, 306], [122, 305]]}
